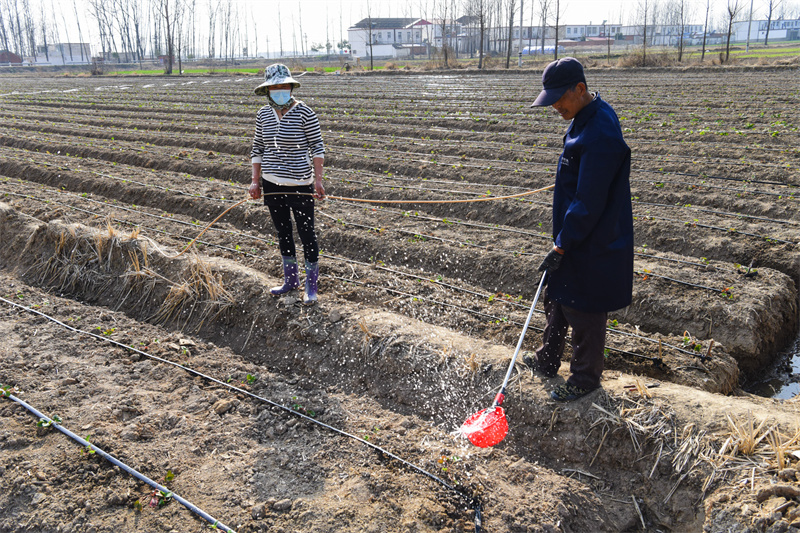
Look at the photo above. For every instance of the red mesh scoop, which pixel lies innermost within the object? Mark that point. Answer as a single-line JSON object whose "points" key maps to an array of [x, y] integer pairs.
{"points": [[486, 428]]}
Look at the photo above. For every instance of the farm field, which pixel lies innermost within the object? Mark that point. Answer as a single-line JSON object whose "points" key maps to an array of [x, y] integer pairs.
{"points": [[103, 182]]}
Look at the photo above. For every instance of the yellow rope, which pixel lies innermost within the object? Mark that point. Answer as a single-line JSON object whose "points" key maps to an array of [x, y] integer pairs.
{"points": [[484, 199], [364, 200], [191, 243]]}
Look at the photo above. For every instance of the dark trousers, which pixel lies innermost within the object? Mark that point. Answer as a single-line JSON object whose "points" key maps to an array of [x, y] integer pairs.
{"points": [[282, 207], [588, 343]]}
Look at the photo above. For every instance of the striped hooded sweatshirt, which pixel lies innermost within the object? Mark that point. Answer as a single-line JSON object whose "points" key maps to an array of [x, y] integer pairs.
{"points": [[285, 147]]}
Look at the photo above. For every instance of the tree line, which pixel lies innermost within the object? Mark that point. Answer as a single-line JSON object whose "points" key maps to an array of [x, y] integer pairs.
{"points": [[176, 30]]}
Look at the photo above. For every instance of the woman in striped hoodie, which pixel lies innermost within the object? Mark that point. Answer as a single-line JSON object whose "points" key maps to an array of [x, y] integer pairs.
{"points": [[287, 158]]}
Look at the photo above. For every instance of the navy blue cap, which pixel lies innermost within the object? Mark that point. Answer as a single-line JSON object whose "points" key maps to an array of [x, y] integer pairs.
{"points": [[557, 78]]}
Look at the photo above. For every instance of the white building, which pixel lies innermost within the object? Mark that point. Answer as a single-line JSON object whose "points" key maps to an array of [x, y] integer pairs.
{"points": [[576, 32], [63, 54], [390, 37], [779, 30], [666, 34]]}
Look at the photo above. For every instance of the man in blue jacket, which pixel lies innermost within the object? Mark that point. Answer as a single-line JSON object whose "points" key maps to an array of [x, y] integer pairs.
{"points": [[590, 268]]}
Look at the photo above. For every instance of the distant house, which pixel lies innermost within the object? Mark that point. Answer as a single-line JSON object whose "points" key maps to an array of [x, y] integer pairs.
{"points": [[63, 54], [581, 32], [9, 58], [389, 37], [779, 30]]}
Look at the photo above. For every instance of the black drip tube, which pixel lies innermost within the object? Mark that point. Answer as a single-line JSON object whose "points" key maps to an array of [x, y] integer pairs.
{"points": [[472, 502], [113, 460]]}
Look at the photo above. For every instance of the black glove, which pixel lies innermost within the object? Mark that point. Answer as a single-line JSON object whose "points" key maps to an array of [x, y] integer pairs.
{"points": [[551, 262]]}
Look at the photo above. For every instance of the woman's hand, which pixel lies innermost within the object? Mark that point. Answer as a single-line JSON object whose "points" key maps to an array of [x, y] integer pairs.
{"points": [[255, 190], [319, 190]]}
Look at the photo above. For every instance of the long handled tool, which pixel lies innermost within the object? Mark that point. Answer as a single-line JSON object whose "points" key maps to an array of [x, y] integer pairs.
{"points": [[489, 426]]}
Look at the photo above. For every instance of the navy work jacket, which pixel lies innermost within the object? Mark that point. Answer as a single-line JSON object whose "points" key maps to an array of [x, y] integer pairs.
{"points": [[592, 214]]}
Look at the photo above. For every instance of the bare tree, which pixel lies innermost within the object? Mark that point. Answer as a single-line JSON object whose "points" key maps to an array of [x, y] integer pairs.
{"points": [[644, 10], [772, 5], [169, 11], [213, 12], [444, 25], [678, 16], [102, 13], [136, 22], [705, 30], [80, 34], [512, 7], [543, 7], [43, 21], [16, 28], [370, 37], [480, 7], [178, 32], [557, 28], [3, 32], [733, 8], [30, 28]]}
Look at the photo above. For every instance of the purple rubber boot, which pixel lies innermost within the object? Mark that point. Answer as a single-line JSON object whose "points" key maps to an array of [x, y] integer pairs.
{"points": [[291, 277], [312, 275]]}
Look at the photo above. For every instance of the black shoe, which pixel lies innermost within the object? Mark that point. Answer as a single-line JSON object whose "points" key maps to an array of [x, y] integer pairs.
{"points": [[568, 392], [530, 359]]}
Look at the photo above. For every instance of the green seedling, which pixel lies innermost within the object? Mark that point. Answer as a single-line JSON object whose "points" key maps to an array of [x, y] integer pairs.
{"points": [[444, 460], [160, 498], [251, 379], [87, 450], [7, 390], [137, 506], [42, 423], [613, 323], [727, 292]]}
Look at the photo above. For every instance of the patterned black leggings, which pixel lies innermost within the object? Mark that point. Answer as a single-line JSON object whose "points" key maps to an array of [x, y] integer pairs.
{"points": [[281, 208]]}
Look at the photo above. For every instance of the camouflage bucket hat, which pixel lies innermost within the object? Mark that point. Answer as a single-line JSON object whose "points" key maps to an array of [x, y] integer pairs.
{"points": [[276, 74]]}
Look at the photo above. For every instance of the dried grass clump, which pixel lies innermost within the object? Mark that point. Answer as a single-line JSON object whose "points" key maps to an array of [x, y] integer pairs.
{"points": [[651, 59], [745, 436], [201, 292], [651, 423], [80, 263]]}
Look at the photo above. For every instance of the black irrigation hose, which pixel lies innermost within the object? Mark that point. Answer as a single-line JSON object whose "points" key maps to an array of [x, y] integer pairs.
{"points": [[681, 261], [719, 187], [423, 236], [710, 177], [646, 275], [116, 462], [472, 501], [655, 360], [726, 230], [347, 260], [721, 213]]}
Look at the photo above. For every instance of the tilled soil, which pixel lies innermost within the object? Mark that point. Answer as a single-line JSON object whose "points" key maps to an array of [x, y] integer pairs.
{"points": [[103, 184]]}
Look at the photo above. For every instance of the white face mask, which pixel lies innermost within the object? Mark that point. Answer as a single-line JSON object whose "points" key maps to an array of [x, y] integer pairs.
{"points": [[280, 96]]}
